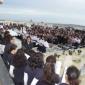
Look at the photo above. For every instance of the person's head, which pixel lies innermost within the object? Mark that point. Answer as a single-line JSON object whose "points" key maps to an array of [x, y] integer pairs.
{"points": [[28, 39], [12, 40], [8, 38], [6, 33], [39, 59], [36, 61], [73, 75], [51, 59], [19, 58], [12, 49]]}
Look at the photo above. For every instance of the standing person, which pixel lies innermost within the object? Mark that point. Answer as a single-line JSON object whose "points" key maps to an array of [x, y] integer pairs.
{"points": [[8, 40], [51, 59], [18, 67], [34, 69], [6, 34], [9, 54], [57, 64], [72, 76], [49, 76]]}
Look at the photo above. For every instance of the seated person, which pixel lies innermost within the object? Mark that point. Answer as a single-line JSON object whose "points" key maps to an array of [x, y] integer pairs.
{"points": [[27, 44]]}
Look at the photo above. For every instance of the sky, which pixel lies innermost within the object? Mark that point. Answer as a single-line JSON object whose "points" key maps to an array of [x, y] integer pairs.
{"points": [[53, 11]]}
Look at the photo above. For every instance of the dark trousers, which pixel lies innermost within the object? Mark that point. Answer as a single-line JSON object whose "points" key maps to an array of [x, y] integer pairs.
{"points": [[41, 48]]}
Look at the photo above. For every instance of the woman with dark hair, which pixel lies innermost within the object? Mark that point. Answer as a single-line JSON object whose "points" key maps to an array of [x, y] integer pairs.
{"points": [[6, 33], [28, 43], [8, 55], [8, 40], [51, 59], [49, 76], [9, 47], [72, 76], [57, 64], [17, 69], [19, 58], [7, 37], [36, 61], [34, 69]]}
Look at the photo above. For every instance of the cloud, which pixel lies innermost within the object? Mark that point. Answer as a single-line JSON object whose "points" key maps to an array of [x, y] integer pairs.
{"points": [[66, 11], [27, 12], [34, 12]]}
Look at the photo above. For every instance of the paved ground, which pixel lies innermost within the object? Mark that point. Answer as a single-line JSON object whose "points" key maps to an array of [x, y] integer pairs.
{"points": [[4, 76], [67, 60]]}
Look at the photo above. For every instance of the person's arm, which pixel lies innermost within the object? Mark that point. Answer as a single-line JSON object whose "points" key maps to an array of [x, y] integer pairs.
{"points": [[34, 82], [25, 78], [11, 71]]}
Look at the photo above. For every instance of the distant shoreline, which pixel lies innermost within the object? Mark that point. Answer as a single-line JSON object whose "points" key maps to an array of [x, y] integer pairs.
{"points": [[80, 27]]}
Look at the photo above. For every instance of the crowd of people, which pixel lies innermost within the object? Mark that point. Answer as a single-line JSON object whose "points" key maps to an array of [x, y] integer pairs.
{"points": [[58, 35], [27, 67], [66, 36]]}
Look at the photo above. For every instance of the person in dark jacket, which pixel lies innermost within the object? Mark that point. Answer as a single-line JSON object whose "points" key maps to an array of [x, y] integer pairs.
{"points": [[49, 76], [9, 54], [27, 44], [34, 68], [18, 67], [51, 59], [9, 40]]}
